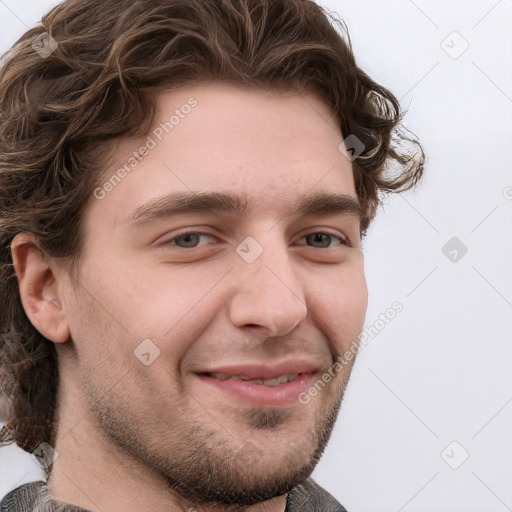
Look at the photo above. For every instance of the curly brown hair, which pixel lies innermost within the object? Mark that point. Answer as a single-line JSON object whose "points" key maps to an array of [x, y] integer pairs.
{"points": [[61, 115]]}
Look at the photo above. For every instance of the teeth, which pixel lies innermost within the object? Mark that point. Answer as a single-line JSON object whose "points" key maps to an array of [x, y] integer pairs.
{"points": [[276, 382], [283, 379], [220, 376]]}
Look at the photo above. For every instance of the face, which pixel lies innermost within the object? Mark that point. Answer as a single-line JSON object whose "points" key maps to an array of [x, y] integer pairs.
{"points": [[257, 276]]}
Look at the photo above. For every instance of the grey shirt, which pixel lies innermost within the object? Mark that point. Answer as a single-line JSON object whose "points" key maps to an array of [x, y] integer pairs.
{"points": [[306, 497]]}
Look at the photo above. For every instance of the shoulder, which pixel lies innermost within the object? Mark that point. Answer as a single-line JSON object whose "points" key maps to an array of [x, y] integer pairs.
{"points": [[310, 497], [34, 497], [22, 498]]}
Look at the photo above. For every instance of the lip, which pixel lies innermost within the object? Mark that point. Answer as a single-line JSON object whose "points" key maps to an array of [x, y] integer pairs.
{"points": [[260, 370], [259, 394]]}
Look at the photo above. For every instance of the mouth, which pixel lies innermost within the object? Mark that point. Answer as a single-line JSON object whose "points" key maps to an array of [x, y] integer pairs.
{"points": [[278, 381], [280, 390]]}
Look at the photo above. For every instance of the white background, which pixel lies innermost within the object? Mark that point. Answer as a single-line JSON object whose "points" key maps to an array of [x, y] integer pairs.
{"points": [[441, 370]]}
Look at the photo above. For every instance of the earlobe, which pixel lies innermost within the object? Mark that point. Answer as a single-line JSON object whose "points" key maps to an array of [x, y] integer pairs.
{"points": [[39, 290]]}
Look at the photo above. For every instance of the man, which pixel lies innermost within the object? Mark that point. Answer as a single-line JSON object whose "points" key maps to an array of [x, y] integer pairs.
{"points": [[184, 190]]}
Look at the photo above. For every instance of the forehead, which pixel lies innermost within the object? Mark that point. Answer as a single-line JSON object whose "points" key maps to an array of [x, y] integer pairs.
{"points": [[269, 147]]}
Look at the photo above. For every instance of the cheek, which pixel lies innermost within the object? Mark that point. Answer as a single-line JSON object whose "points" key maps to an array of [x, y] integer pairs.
{"points": [[165, 304], [99, 357], [340, 304], [146, 299], [171, 307]]}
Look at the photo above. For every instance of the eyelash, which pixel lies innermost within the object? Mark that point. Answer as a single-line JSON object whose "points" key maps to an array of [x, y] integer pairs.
{"points": [[343, 241]]}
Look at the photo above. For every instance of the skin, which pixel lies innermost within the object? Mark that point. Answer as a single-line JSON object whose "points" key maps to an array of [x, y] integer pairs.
{"points": [[138, 430]]}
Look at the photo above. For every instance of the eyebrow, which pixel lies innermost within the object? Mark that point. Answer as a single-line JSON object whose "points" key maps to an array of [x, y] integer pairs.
{"points": [[319, 203]]}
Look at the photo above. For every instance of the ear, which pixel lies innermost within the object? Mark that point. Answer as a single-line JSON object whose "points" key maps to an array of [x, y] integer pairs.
{"points": [[39, 289]]}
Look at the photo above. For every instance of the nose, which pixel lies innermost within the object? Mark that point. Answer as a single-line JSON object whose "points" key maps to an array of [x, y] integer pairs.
{"points": [[268, 294]]}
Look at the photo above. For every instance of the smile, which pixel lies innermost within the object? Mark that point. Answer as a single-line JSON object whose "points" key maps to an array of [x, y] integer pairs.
{"points": [[282, 379], [283, 390]]}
